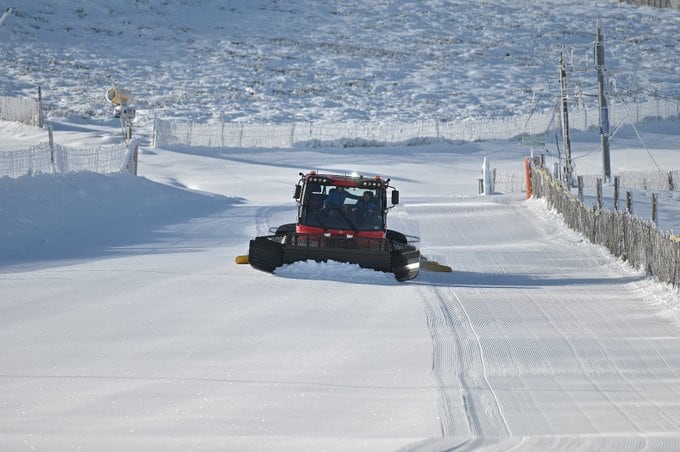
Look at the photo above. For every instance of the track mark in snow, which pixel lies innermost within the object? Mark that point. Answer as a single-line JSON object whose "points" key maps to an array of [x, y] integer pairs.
{"points": [[459, 368], [538, 333], [446, 358], [496, 405], [266, 217]]}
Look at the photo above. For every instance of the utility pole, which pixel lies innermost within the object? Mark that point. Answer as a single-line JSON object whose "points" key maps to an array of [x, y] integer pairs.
{"points": [[602, 103], [568, 170]]}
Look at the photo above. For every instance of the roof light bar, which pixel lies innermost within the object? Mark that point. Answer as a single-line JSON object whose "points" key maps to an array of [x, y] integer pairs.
{"points": [[320, 180], [368, 183]]}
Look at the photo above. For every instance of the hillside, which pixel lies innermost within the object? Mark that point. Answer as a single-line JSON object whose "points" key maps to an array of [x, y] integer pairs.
{"points": [[310, 60]]}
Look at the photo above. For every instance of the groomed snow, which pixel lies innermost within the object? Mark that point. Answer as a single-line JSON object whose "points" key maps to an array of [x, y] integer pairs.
{"points": [[126, 325]]}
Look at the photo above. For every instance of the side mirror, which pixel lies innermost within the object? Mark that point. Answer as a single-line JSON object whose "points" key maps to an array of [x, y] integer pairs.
{"points": [[395, 197], [298, 191]]}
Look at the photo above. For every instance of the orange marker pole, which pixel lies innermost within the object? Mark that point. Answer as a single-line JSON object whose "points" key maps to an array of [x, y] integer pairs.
{"points": [[527, 172]]}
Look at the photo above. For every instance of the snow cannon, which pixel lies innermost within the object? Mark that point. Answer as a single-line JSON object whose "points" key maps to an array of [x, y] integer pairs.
{"points": [[121, 99], [118, 97], [122, 110]]}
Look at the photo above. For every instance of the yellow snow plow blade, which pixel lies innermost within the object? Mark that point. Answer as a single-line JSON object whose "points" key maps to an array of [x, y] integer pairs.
{"points": [[433, 266], [242, 259]]}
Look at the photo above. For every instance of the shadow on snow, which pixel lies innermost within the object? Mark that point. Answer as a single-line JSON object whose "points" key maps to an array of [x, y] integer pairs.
{"points": [[47, 219]]}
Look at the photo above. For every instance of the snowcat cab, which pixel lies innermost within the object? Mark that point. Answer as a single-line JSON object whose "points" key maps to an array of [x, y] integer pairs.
{"points": [[340, 218]]}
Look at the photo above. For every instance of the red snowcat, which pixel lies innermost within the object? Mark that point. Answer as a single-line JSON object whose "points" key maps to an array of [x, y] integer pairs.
{"points": [[339, 218]]}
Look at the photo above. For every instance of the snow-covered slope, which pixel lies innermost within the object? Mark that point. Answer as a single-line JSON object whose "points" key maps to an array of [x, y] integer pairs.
{"points": [[138, 331], [259, 60], [126, 325]]}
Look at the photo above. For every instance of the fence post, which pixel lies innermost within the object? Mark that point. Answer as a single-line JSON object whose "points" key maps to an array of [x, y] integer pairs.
{"points": [[40, 110], [629, 202], [556, 170], [598, 188], [222, 132], [128, 131], [133, 157], [617, 182], [50, 138], [50, 141], [654, 206], [154, 132], [486, 173], [580, 188], [671, 185]]}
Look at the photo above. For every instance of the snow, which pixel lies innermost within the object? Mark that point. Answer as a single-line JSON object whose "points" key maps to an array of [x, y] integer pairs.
{"points": [[126, 324], [254, 60], [334, 271]]}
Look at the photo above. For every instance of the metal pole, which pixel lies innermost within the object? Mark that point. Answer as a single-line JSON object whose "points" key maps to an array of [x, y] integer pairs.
{"points": [[486, 174], [40, 109], [568, 172], [602, 103]]}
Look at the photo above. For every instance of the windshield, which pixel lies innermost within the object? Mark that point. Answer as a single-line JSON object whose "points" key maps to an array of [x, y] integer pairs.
{"points": [[335, 207]]}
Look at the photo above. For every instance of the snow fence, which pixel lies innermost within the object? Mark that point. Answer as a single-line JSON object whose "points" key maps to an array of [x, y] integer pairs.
{"points": [[633, 239], [21, 109], [636, 180], [355, 133], [641, 180], [673, 4], [64, 159]]}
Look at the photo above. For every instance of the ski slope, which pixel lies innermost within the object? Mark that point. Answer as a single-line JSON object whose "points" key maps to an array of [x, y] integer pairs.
{"points": [[126, 325], [138, 331], [544, 341]]}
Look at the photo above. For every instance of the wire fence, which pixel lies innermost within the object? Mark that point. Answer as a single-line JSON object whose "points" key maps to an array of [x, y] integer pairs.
{"points": [[659, 181], [25, 110], [674, 4], [351, 134], [509, 183], [348, 134], [44, 158], [641, 180], [636, 241]]}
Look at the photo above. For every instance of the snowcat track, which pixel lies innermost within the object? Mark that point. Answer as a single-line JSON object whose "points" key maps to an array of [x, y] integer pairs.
{"points": [[265, 254], [270, 252]]}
